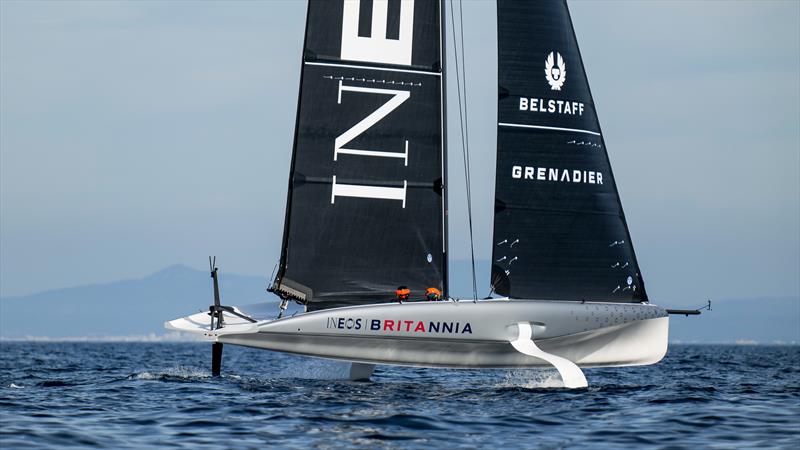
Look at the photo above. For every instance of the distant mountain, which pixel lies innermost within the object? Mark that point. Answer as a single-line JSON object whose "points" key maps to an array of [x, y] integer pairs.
{"points": [[123, 308], [140, 307]]}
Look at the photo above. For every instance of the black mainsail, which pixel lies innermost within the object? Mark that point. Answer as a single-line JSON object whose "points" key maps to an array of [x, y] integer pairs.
{"points": [[559, 229], [365, 206]]}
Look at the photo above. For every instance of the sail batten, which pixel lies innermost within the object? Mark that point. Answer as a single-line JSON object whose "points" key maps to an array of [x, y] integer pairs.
{"points": [[543, 127], [559, 230], [385, 69], [365, 210]]}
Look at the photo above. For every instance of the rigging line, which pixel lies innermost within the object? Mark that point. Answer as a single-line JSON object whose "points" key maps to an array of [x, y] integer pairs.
{"points": [[466, 143], [463, 150]]}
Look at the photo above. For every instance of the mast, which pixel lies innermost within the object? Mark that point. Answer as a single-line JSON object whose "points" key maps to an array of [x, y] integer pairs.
{"points": [[445, 187]]}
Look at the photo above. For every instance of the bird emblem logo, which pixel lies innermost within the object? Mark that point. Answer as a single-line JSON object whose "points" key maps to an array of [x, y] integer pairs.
{"points": [[555, 71]]}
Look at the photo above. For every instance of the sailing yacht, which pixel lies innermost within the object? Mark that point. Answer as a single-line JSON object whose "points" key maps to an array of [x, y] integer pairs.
{"points": [[367, 207]]}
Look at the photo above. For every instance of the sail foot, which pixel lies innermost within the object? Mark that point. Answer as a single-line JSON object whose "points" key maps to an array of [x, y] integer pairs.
{"points": [[571, 374], [288, 289]]}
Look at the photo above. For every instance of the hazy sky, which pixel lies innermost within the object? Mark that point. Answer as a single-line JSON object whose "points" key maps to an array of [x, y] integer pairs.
{"points": [[138, 135]]}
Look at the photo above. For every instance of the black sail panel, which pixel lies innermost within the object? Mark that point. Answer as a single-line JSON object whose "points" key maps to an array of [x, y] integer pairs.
{"points": [[559, 229], [365, 193]]}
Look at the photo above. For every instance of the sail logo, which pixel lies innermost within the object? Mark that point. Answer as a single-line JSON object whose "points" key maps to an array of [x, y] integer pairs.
{"points": [[551, 106], [344, 323], [397, 98], [379, 42], [557, 175], [555, 71]]}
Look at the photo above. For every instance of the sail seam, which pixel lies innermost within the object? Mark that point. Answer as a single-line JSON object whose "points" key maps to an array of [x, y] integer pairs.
{"points": [[543, 127], [352, 66]]}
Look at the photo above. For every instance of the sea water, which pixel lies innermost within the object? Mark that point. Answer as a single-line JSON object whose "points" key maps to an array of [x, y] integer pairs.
{"points": [[136, 395]]}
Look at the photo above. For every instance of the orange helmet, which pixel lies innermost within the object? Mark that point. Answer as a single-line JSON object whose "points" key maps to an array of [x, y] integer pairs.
{"points": [[403, 292], [433, 294]]}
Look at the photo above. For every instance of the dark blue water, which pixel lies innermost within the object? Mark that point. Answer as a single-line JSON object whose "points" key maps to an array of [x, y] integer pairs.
{"points": [[123, 395]]}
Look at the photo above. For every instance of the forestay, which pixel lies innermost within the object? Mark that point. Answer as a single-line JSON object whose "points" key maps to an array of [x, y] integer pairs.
{"points": [[559, 229], [365, 205]]}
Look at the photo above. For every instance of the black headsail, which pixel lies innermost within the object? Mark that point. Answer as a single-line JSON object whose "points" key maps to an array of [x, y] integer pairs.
{"points": [[559, 229], [365, 208]]}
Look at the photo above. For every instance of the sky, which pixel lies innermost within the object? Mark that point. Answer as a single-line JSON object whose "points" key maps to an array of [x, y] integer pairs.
{"points": [[136, 135]]}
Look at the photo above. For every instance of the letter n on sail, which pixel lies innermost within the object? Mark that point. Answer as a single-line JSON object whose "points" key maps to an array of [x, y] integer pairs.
{"points": [[398, 97]]}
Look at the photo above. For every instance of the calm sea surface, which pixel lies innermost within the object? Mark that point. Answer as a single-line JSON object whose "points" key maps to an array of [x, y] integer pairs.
{"points": [[134, 395]]}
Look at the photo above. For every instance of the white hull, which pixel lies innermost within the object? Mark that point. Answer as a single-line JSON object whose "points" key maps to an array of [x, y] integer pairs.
{"points": [[462, 334]]}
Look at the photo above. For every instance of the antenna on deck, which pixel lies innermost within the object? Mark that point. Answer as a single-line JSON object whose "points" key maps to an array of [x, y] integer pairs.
{"points": [[216, 312]]}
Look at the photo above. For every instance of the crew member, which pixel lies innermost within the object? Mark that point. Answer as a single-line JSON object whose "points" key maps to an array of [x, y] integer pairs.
{"points": [[402, 293], [433, 294]]}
